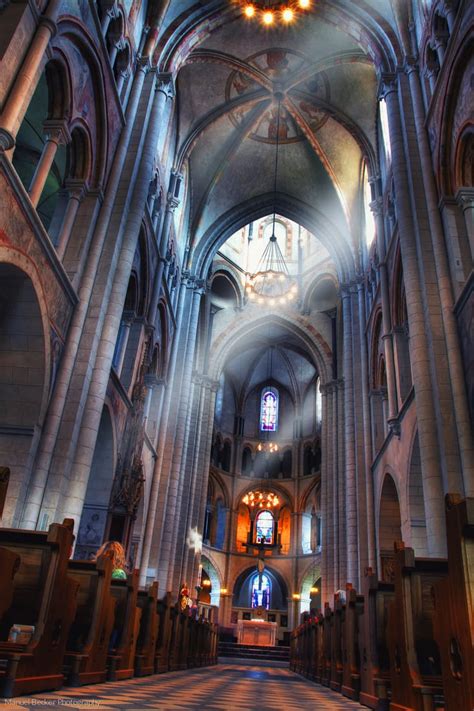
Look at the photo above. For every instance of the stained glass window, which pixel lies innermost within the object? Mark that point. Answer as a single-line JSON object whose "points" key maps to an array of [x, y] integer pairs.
{"points": [[264, 527], [269, 410], [261, 591]]}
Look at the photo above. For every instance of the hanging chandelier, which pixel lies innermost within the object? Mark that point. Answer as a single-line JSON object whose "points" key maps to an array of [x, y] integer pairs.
{"points": [[267, 447], [271, 12], [272, 283], [261, 499]]}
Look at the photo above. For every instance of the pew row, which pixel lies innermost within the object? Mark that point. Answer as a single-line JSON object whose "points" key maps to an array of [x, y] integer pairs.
{"points": [[44, 599]]}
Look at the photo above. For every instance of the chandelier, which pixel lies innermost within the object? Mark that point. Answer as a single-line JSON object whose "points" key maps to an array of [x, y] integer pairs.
{"points": [[261, 499], [272, 283], [269, 447], [271, 12]]}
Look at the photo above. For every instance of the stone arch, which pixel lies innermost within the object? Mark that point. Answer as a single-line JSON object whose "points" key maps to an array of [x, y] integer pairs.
{"points": [[310, 577], [94, 517], [25, 357], [329, 234], [213, 574], [241, 584], [225, 286], [389, 525], [229, 340], [416, 503]]}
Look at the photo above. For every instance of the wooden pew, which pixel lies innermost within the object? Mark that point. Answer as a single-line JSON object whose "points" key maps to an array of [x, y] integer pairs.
{"points": [[121, 658], [44, 596], [88, 643], [147, 638], [415, 663], [326, 647], [349, 641], [454, 611], [9, 565], [319, 649], [164, 607], [372, 642], [336, 623]]}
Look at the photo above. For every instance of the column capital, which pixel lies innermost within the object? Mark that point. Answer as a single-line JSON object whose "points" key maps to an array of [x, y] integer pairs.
{"points": [[77, 189], [205, 381], [388, 84], [465, 198], [376, 207], [57, 131], [165, 84], [410, 64]]}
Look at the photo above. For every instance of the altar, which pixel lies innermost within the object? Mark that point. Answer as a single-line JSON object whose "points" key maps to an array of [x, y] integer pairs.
{"points": [[256, 632]]}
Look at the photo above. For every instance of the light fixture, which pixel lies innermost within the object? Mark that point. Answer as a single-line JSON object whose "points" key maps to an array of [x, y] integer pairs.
{"points": [[223, 591], [272, 283], [268, 17], [261, 499], [267, 447], [296, 596], [269, 11], [206, 583], [313, 590]]}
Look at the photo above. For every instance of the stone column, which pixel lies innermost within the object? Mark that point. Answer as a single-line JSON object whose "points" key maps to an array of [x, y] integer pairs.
{"points": [[455, 482], [25, 80], [465, 199], [56, 133], [376, 207], [349, 429], [325, 513], [420, 360], [367, 439], [57, 404], [109, 8], [76, 189], [68, 497], [341, 487]]}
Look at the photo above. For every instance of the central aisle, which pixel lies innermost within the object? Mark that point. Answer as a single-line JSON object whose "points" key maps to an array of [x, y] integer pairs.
{"points": [[221, 687]]}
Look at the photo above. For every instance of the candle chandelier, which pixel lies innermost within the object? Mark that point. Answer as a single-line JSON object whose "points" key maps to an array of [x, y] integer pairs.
{"points": [[272, 283], [261, 499], [271, 12]]}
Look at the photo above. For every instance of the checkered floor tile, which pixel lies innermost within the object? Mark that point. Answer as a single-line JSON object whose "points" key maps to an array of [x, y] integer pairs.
{"points": [[221, 688]]}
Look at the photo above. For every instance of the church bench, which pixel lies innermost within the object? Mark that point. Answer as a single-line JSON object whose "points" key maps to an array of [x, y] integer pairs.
{"points": [[85, 660], [164, 607], [44, 597], [326, 646], [415, 664], [336, 624], [372, 642], [148, 635], [454, 610], [192, 658], [122, 645], [175, 638], [349, 640], [9, 564]]}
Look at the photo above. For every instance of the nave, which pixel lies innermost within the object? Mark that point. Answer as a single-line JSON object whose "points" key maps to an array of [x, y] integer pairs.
{"points": [[227, 686]]}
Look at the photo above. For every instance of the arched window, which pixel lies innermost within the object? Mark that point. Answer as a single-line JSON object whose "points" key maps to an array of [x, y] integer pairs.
{"points": [[260, 595], [264, 527], [319, 403], [269, 410]]}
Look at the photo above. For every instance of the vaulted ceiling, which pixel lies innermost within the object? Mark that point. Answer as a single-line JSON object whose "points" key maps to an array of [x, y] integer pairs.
{"points": [[312, 82]]}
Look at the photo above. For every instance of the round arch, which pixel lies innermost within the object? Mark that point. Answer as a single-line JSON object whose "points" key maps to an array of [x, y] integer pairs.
{"points": [[214, 577], [230, 340]]}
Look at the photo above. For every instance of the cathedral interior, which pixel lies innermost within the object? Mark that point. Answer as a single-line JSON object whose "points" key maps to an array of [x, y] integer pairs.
{"points": [[244, 235]]}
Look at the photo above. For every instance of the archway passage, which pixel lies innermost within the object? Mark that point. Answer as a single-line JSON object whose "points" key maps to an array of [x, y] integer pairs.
{"points": [[23, 382], [390, 527]]}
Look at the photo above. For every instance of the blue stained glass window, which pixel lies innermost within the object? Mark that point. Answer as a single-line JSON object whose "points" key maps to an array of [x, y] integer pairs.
{"points": [[269, 410], [264, 527], [261, 591]]}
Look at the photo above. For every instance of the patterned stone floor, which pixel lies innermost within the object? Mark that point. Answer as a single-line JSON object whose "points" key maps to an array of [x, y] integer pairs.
{"points": [[224, 688]]}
